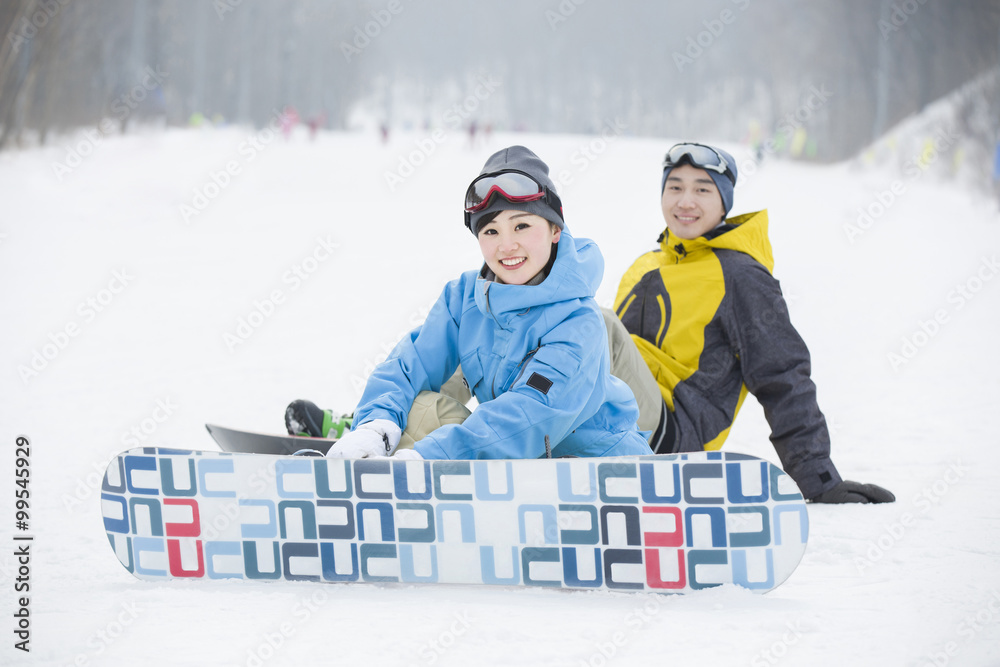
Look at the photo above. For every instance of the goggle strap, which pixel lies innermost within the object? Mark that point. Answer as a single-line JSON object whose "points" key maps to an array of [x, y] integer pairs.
{"points": [[722, 167], [550, 198]]}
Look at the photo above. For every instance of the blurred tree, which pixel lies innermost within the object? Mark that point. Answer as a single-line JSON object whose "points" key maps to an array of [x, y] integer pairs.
{"points": [[672, 68]]}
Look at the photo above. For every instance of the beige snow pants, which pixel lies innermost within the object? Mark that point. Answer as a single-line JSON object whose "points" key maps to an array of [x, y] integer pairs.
{"points": [[431, 410]]}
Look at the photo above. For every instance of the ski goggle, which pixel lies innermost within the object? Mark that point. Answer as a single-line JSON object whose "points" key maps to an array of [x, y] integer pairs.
{"points": [[701, 156], [515, 186]]}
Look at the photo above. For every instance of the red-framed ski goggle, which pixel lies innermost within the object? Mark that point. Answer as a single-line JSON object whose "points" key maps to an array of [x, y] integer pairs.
{"points": [[514, 186], [701, 156]]}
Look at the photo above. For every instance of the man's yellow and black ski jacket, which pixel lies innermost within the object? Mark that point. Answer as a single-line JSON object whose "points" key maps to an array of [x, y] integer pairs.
{"points": [[711, 322]]}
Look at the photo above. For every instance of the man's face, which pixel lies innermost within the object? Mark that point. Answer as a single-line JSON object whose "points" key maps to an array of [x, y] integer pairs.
{"points": [[691, 203]]}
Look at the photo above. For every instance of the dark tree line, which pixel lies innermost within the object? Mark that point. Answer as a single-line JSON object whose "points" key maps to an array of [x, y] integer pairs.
{"points": [[842, 71]]}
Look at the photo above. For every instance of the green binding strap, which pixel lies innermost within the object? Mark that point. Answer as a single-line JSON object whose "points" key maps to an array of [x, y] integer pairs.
{"points": [[335, 429]]}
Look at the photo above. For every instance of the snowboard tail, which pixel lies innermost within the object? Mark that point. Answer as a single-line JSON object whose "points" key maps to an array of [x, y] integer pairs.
{"points": [[250, 442], [671, 523]]}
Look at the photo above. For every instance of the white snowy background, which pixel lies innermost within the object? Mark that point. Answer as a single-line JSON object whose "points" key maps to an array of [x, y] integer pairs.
{"points": [[121, 311]]}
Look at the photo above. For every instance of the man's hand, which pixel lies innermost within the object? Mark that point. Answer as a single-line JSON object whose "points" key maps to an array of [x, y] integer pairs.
{"points": [[855, 492]]}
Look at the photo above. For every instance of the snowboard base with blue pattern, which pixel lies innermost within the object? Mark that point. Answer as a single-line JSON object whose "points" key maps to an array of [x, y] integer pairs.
{"points": [[668, 524]]}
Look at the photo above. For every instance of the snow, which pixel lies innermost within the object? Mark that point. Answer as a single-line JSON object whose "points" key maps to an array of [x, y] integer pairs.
{"points": [[304, 264]]}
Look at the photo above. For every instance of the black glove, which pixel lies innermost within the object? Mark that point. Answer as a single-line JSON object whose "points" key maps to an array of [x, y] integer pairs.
{"points": [[855, 492]]}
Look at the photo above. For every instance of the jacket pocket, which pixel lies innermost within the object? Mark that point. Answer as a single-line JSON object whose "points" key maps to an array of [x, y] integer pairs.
{"points": [[518, 371], [472, 369]]}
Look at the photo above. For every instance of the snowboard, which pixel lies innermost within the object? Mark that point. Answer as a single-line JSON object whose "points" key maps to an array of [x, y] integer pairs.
{"points": [[250, 442], [665, 523]]}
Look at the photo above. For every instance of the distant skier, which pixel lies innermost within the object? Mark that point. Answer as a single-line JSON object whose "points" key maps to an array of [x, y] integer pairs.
{"points": [[315, 124], [288, 119], [712, 324], [529, 336]]}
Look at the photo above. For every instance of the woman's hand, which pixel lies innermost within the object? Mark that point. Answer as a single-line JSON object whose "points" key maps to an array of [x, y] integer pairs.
{"points": [[379, 437]]}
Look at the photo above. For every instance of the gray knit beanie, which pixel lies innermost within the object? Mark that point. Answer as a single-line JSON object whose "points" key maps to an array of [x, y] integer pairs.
{"points": [[518, 158]]}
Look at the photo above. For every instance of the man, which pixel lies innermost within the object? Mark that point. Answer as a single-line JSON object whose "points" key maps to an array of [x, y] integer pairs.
{"points": [[711, 323]]}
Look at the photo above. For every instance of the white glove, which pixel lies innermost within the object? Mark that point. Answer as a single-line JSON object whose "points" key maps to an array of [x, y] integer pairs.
{"points": [[379, 437], [410, 454]]}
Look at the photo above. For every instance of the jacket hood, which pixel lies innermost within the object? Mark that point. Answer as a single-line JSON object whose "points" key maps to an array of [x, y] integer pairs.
{"points": [[745, 233], [576, 274]]}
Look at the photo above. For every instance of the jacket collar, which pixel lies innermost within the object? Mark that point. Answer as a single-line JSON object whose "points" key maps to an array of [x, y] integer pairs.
{"points": [[745, 233], [575, 274]]}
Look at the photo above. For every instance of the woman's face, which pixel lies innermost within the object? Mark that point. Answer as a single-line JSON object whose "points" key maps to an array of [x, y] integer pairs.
{"points": [[517, 245]]}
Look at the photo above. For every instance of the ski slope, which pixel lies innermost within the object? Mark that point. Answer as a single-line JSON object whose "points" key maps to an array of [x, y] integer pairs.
{"points": [[161, 280]]}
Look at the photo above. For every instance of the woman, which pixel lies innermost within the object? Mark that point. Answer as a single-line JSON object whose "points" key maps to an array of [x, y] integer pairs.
{"points": [[527, 333]]}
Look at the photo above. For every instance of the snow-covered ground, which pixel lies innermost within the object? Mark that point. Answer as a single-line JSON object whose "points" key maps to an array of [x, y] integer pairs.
{"points": [[158, 281]]}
